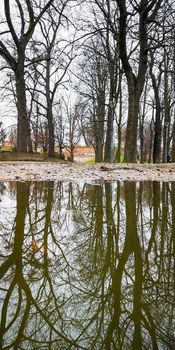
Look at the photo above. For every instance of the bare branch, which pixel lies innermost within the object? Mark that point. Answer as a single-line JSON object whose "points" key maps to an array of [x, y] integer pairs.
{"points": [[9, 22]]}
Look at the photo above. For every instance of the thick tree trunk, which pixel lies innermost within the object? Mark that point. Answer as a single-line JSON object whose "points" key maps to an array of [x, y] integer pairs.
{"points": [[99, 141], [135, 83], [71, 158], [130, 150], [22, 126], [98, 152]]}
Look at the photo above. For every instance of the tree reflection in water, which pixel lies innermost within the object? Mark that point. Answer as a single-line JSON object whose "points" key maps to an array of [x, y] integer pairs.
{"points": [[87, 266]]}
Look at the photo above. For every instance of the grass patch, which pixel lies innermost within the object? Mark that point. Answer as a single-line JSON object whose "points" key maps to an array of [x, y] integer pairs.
{"points": [[90, 161]]}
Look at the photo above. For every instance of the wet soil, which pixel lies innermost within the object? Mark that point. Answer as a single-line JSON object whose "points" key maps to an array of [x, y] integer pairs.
{"points": [[66, 171]]}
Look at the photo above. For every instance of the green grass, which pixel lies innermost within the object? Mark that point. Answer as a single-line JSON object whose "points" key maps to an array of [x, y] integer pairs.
{"points": [[90, 161]]}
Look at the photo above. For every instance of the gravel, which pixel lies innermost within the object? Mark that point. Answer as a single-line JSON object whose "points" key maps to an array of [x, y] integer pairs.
{"points": [[66, 171]]}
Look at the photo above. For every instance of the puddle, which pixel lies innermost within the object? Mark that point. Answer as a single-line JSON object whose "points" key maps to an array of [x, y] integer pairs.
{"points": [[87, 266]]}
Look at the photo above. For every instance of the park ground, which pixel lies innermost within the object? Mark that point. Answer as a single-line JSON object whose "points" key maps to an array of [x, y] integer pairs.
{"points": [[67, 171]]}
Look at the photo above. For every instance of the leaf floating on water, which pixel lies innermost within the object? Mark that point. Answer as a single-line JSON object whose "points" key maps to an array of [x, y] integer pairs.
{"points": [[37, 247]]}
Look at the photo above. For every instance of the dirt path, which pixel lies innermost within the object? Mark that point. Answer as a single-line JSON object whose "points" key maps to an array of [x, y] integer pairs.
{"points": [[65, 171]]}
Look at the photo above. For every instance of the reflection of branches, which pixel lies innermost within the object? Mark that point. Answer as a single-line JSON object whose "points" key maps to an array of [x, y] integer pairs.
{"points": [[89, 268], [15, 259]]}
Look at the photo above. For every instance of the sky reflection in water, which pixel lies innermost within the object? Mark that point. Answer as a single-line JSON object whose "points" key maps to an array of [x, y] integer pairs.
{"points": [[87, 266]]}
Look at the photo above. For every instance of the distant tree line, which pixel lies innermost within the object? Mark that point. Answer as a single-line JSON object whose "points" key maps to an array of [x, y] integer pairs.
{"points": [[100, 71]]}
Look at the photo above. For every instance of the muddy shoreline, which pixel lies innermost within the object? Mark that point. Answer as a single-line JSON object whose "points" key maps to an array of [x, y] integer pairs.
{"points": [[65, 171]]}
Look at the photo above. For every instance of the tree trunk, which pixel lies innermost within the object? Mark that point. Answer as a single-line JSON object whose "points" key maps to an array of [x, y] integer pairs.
{"points": [[157, 137], [166, 128], [108, 155], [130, 150], [135, 83], [158, 122], [29, 140], [98, 152], [141, 134], [173, 143], [51, 135], [35, 130], [71, 158], [99, 126], [49, 111], [150, 146], [173, 131], [118, 153], [22, 126], [119, 126], [113, 97]]}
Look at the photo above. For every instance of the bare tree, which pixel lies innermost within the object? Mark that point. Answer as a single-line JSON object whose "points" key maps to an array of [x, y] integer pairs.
{"points": [[59, 127], [2, 134], [72, 129], [52, 61], [134, 18], [156, 81], [19, 38], [92, 88]]}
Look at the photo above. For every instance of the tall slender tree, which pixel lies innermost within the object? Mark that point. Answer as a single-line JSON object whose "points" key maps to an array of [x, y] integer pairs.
{"points": [[20, 36]]}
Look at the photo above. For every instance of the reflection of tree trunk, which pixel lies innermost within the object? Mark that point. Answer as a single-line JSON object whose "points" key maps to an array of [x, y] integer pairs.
{"points": [[173, 225], [116, 273], [22, 203], [133, 241], [50, 186], [110, 224], [131, 244], [97, 227], [156, 206], [23, 191], [163, 227]]}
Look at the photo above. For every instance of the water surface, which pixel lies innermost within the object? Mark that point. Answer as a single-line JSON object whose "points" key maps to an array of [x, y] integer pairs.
{"points": [[87, 266]]}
